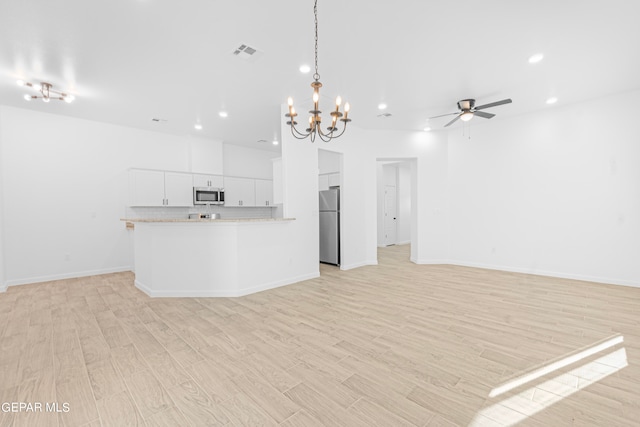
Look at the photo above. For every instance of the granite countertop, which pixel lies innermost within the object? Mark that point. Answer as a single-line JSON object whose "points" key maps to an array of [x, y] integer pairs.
{"points": [[206, 220]]}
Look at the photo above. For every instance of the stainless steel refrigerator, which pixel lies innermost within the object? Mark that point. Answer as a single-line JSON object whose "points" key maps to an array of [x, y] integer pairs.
{"points": [[330, 226]]}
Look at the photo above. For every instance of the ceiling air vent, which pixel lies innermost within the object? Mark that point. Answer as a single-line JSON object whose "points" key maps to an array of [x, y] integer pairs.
{"points": [[156, 120], [247, 52], [384, 115]]}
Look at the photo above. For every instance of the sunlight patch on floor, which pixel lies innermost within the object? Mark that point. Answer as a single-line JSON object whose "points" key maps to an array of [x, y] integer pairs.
{"points": [[520, 406]]}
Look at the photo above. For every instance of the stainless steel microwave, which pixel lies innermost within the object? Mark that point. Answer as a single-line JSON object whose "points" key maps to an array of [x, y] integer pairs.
{"points": [[208, 196]]}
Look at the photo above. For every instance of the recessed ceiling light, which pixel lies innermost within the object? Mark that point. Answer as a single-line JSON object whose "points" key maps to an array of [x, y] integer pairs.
{"points": [[382, 106], [275, 142], [223, 114], [304, 69], [198, 126], [427, 129], [534, 59], [552, 100]]}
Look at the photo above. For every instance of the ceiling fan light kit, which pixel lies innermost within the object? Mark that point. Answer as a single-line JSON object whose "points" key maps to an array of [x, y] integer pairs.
{"points": [[46, 92], [467, 110], [315, 119]]}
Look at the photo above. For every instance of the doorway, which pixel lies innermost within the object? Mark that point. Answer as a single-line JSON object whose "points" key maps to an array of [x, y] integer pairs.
{"points": [[329, 202], [396, 206]]}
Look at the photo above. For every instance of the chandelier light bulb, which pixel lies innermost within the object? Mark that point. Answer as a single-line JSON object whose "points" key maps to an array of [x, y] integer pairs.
{"points": [[27, 97], [20, 82], [338, 101], [69, 99], [290, 101], [316, 97], [293, 111], [45, 99], [36, 86]]}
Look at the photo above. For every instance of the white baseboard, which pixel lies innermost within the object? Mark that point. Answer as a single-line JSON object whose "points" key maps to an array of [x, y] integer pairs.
{"points": [[406, 242], [3, 288], [358, 264], [429, 261], [50, 278], [231, 293], [582, 277]]}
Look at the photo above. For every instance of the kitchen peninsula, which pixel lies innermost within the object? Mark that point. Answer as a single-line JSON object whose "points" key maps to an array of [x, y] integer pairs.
{"points": [[208, 257]]}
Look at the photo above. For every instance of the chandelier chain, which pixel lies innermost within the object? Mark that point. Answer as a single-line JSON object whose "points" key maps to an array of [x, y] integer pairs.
{"points": [[315, 120], [316, 76]]}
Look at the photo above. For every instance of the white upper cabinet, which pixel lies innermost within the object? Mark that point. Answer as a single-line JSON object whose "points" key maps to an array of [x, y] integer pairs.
{"points": [[146, 188], [239, 191], [178, 189], [334, 179], [158, 188], [200, 180], [264, 192], [327, 180]]}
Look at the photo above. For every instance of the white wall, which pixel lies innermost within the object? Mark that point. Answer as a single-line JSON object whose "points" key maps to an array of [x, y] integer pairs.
{"points": [[555, 192], [3, 287], [328, 162], [205, 156], [404, 203], [248, 162], [65, 190]]}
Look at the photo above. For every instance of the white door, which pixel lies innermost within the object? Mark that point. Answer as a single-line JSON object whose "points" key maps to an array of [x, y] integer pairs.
{"points": [[390, 215]]}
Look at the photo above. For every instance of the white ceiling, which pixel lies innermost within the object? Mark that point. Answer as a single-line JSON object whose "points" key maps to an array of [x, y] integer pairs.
{"points": [[128, 61]]}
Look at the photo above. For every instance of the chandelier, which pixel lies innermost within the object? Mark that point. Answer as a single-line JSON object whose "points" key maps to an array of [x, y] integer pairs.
{"points": [[315, 120], [46, 93]]}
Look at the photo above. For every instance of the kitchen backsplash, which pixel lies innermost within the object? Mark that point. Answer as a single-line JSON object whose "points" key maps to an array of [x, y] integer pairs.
{"points": [[225, 212]]}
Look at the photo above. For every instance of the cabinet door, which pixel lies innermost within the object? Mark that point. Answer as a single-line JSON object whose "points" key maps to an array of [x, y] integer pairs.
{"points": [[239, 192], [200, 180], [323, 182], [178, 189], [146, 188], [264, 192], [334, 179]]}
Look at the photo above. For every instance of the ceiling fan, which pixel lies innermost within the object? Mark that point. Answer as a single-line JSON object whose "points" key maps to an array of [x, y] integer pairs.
{"points": [[467, 110]]}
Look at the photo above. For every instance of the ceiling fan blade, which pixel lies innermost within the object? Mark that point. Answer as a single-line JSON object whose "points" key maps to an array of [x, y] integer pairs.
{"points": [[483, 114], [443, 115], [494, 104], [452, 121]]}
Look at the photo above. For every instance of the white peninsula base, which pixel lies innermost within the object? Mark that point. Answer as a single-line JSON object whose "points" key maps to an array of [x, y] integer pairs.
{"points": [[209, 258]]}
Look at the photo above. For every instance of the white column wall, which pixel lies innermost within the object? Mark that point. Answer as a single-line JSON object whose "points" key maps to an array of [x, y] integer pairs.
{"points": [[3, 286], [404, 203], [555, 192]]}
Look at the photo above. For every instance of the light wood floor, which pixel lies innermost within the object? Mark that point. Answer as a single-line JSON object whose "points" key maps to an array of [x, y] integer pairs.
{"points": [[392, 345]]}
